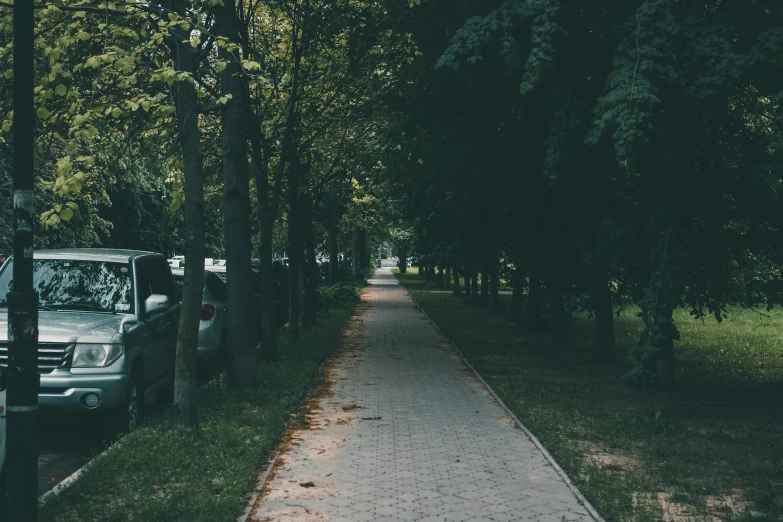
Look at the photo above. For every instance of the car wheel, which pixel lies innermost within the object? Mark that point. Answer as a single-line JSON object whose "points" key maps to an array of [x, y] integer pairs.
{"points": [[129, 415]]}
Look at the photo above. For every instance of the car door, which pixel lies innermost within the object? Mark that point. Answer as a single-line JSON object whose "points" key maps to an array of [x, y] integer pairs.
{"points": [[2, 432], [163, 283], [154, 277]]}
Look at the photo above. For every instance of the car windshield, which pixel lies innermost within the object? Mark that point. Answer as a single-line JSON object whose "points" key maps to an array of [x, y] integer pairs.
{"points": [[76, 285]]}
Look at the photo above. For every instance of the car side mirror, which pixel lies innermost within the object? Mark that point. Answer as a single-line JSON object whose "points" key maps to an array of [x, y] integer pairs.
{"points": [[3, 379], [156, 303], [128, 320]]}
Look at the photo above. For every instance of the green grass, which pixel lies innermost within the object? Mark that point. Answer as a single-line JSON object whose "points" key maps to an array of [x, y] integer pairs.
{"points": [[157, 473], [720, 435]]}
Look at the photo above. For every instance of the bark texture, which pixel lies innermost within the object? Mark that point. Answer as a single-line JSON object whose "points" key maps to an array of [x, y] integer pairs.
{"points": [[189, 137], [242, 331]]}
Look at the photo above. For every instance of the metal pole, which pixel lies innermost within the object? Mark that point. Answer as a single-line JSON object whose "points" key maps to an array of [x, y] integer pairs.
{"points": [[23, 378]]}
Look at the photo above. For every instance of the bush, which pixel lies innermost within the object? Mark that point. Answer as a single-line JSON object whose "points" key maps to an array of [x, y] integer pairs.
{"points": [[339, 294]]}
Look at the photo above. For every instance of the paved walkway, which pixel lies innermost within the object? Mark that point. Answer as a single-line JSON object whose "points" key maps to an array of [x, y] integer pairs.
{"points": [[407, 433]]}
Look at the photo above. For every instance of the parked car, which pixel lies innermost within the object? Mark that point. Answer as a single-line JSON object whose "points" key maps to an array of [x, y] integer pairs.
{"points": [[2, 443], [217, 269], [107, 329], [177, 262], [214, 308]]}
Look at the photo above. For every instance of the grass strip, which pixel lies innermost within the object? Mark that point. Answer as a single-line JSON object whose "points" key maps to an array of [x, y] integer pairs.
{"points": [[158, 473], [709, 451]]}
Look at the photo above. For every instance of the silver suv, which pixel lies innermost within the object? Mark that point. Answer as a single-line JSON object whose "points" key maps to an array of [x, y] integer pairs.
{"points": [[107, 328]]}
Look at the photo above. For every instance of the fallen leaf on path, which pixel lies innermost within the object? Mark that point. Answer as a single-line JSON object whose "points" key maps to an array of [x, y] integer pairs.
{"points": [[307, 484]]}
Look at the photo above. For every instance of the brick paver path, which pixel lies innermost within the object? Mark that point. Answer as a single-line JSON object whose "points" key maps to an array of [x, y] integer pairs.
{"points": [[409, 434]]}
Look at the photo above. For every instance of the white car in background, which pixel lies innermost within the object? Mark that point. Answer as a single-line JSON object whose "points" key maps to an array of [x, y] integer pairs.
{"points": [[177, 262], [213, 323]]}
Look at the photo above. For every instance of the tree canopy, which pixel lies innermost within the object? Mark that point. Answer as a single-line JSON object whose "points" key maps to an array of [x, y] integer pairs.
{"points": [[587, 155]]}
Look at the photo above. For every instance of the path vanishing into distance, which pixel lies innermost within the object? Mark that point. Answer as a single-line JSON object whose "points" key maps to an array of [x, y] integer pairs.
{"points": [[402, 430]]}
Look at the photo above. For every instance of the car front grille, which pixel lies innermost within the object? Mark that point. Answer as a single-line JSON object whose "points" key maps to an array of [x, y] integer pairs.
{"points": [[50, 356]]}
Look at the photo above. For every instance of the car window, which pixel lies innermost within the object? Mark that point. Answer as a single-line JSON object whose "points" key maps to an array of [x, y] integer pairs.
{"points": [[216, 286], [68, 283], [155, 278]]}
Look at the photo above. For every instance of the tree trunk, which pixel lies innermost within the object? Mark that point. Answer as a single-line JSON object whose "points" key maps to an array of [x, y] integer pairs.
{"points": [[447, 280], [466, 279], [651, 361], [590, 204], [355, 258], [236, 209], [518, 300], [334, 253], [457, 287], [439, 281], [189, 137], [362, 251], [267, 212], [534, 321], [484, 297], [558, 318], [403, 255], [311, 275], [269, 203], [294, 249], [474, 285], [494, 298], [604, 313]]}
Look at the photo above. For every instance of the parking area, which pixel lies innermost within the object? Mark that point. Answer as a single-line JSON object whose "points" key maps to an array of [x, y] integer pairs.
{"points": [[68, 442]]}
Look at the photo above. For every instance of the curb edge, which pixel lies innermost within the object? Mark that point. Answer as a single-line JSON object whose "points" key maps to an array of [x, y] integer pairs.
{"points": [[73, 477]]}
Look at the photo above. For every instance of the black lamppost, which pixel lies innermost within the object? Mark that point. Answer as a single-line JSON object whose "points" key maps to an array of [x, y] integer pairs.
{"points": [[23, 378]]}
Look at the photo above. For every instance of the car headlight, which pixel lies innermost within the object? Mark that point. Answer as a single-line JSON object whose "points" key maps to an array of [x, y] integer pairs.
{"points": [[96, 355]]}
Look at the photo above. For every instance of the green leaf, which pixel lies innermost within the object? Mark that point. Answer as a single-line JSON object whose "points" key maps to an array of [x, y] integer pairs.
{"points": [[60, 90], [72, 205], [66, 214], [42, 113]]}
